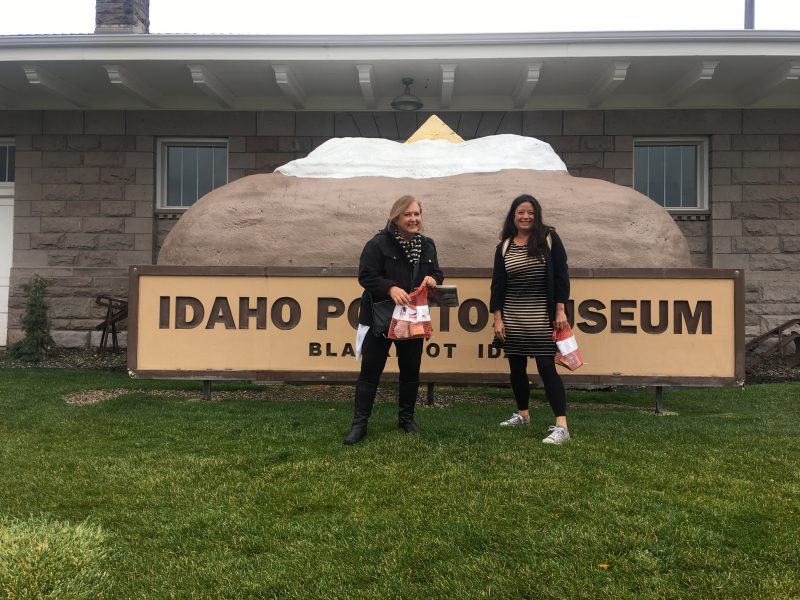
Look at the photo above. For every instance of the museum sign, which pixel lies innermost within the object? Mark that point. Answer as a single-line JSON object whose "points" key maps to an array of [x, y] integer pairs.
{"points": [[634, 326]]}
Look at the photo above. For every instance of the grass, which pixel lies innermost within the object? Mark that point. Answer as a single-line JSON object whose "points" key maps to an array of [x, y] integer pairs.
{"points": [[158, 497], [54, 559]]}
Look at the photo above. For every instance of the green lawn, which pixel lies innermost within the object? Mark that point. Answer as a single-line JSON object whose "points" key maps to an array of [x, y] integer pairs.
{"points": [[148, 496]]}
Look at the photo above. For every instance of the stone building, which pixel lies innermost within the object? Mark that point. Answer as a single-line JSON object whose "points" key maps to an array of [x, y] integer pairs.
{"points": [[107, 138]]}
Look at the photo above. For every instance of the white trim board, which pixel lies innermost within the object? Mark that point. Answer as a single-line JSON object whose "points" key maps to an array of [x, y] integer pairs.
{"points": [[6, 252]]}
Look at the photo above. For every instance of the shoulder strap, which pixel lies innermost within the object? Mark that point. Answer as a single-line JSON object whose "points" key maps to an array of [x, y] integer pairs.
{"points": [[549, 241]]}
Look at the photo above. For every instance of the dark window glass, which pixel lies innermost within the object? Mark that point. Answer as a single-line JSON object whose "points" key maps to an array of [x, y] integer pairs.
{"points": [[205, 171], [672, 176], [689, 182], [220, 166], [193, 171], [174, 175], [640, 168], [667, 173], [189, 191], [12, 157], [3, 163], [655, 174]]}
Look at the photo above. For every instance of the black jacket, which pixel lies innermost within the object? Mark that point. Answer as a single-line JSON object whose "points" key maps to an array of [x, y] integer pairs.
{"points": [[383, 264], [557, 277]]}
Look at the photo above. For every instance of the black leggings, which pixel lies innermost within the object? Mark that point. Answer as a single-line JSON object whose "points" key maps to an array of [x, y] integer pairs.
{"points": [[553, 386], [375, 351]]}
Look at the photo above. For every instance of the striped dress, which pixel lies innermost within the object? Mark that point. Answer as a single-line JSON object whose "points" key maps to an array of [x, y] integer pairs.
{"points": [[527, 322]]}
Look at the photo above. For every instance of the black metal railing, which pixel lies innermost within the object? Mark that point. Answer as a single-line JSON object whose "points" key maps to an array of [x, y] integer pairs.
{"points": [[784, 340], [116, 311]]}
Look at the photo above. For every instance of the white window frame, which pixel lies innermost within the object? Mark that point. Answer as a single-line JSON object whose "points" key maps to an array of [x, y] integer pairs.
{"points": [[161, 165], [701, 143]]}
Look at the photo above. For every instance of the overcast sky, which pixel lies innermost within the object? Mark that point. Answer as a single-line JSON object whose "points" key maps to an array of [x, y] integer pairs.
{"points": [[394, 17]]}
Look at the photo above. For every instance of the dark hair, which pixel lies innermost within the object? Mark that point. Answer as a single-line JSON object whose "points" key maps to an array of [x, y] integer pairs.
{"points": [[537, 243]]}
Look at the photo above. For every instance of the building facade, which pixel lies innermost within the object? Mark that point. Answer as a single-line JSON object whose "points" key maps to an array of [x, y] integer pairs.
{"points": [[106, 139]]}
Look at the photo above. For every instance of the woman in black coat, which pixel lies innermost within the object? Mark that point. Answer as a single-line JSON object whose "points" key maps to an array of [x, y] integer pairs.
{"points": [[393, 263], [530, 290]]}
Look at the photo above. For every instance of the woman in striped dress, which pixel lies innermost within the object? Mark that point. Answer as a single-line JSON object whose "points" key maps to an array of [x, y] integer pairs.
{"points": [[530, 290]]}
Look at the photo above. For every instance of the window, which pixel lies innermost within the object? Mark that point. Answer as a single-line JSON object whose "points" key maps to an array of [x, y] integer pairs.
{"points": [[673, 172], [189, 169], [7, 156]]}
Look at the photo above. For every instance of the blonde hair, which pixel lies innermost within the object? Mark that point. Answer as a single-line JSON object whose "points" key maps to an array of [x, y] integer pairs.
{"points": [[401, 205]]}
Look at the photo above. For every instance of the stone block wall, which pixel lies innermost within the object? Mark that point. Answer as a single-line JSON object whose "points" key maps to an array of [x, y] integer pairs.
{"points": [[85, 191], [757, 213], [83, 212]]}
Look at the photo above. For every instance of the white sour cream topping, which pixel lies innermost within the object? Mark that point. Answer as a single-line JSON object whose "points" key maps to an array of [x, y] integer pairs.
{"points": [[342, 158]]}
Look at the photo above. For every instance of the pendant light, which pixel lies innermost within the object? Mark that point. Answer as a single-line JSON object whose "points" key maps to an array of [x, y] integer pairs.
{"points": [[407, 100]]}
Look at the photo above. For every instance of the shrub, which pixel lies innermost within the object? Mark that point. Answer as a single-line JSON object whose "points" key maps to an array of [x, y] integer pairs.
{"points": [[37, 342]]}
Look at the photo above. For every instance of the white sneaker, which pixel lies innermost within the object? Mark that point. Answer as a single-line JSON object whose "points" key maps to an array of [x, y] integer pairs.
{"points": [[516, 419], [558, 435]]}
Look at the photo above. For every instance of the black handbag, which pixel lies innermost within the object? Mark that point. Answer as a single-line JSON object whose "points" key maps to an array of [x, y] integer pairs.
{"points": [[382, 317]]}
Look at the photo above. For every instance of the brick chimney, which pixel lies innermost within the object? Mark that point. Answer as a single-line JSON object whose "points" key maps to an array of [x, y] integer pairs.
{"points": [[122, 16]]}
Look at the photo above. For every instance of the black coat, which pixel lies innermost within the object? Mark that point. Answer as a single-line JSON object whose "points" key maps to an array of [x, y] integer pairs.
{"points": [[383, 265], [557, 277]]}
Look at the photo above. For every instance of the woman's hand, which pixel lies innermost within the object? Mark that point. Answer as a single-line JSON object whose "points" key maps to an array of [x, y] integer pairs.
{"points": [[429, 282], [399, 296], [560, 321], [499, 329]]}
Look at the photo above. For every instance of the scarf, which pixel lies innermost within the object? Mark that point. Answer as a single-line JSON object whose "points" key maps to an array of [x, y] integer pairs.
{"points": [[412, 247]]}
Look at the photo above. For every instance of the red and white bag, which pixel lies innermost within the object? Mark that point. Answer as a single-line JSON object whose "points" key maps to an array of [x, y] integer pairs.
{"points": [[568, 354], [414, 321]]}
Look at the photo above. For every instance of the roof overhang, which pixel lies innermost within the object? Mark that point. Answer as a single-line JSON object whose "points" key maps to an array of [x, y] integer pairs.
{"points": [[705, 69]]}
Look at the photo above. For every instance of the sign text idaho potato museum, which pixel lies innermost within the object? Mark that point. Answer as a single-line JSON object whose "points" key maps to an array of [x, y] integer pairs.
{"points": [[656, 326]]}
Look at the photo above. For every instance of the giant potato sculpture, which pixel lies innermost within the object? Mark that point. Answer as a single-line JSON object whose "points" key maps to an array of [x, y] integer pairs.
{"points": [[319, 211]]}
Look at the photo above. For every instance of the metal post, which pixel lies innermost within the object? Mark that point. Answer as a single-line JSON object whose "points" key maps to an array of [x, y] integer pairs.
{"points": [[659, 399], [430, 394], [749, 14], [206, 389]]}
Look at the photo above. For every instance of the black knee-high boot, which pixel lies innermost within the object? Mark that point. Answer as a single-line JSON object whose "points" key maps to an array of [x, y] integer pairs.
{"points": [[365, 398], [407, 401]]}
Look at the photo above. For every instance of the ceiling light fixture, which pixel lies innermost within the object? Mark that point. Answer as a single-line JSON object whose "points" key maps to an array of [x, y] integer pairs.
{"points": [[407, 100]]}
